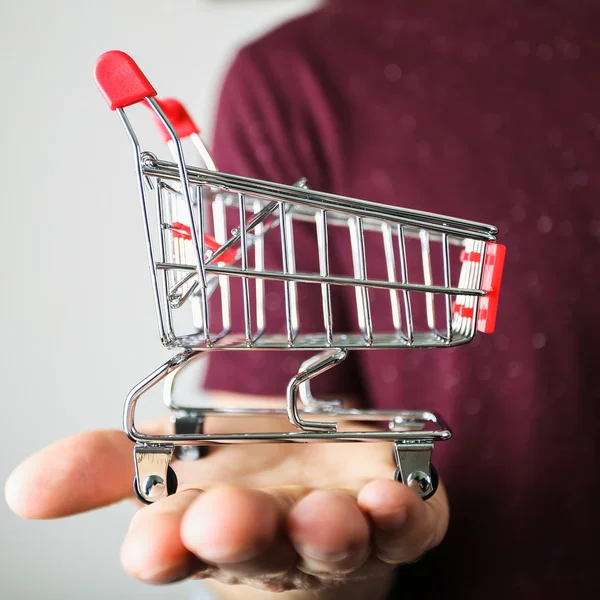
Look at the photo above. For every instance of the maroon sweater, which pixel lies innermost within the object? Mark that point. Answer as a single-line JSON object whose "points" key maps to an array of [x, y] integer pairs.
{"points": [[486, 110]]}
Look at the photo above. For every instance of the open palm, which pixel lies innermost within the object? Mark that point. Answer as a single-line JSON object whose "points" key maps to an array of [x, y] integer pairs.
{"points": [[276, 517]]}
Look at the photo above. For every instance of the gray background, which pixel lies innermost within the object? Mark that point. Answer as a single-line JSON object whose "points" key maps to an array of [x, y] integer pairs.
{"points": [[78, 320]]}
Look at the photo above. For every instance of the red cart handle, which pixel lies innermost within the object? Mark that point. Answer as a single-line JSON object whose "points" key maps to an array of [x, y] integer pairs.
{"points": [[178, 116], [120, 80], [180, 230]]}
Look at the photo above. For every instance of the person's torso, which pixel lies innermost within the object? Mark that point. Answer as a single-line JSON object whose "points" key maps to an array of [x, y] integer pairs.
{"points": [[496, 120]]}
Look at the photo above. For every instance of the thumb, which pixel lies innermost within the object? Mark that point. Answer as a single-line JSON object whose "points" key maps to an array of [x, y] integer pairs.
{"points": [[77, 474]]}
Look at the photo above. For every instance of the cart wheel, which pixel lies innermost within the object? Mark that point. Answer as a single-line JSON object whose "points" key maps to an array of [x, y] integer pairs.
{"points": [[189, 422], [171, 486], [191, 452], [435, 482]]}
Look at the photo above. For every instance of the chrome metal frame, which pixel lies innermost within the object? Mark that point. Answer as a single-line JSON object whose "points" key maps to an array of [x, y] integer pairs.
{"points": [[185, 273]]}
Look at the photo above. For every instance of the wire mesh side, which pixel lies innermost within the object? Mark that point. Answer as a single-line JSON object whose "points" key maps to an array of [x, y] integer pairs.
{"points": [[245, 228]]}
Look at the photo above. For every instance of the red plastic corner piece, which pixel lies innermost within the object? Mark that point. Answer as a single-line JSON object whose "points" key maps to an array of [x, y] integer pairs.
{"points": [[178, 117], [470, 256], [464, 311], [120, 80], [492, 279]]}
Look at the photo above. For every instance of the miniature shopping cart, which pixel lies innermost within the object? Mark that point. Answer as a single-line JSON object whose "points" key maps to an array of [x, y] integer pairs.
{"points": [[208, 237]]}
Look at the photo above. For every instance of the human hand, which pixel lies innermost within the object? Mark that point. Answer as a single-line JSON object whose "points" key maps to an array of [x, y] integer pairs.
{"points": [[315, 517]]}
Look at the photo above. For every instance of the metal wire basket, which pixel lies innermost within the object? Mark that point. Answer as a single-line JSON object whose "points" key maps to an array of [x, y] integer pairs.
{"points": [[205, 230]]}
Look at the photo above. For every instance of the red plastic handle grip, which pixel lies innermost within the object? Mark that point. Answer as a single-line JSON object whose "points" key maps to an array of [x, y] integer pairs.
{"points": [[120, 80], [492, 279], [180, 230], [178, 117], [227, 257]]}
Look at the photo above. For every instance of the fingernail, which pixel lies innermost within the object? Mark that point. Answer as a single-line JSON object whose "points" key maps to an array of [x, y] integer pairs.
{"points": [[324, 556], [225, 556], [166, 575]]}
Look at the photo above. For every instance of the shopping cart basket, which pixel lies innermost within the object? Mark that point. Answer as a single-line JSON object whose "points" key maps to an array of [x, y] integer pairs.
{"points": [[206, 230]]}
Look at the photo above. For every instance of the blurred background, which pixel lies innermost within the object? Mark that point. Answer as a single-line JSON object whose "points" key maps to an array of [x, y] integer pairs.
{"points": [[78, 316]]}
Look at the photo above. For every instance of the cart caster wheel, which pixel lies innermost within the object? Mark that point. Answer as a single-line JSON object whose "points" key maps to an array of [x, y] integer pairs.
{"points": [[154, 486], [189, 422], [418, 482], [191, 452]]}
